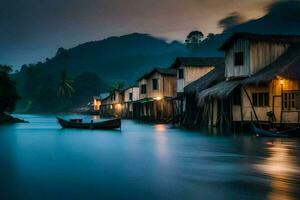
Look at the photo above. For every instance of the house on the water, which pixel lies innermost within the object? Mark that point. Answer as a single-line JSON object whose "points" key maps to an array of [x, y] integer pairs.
{"points": [[188, 70], [194, 115], [262, 81], [130, 95], [157, 89], [95, 105], [112, 105]]}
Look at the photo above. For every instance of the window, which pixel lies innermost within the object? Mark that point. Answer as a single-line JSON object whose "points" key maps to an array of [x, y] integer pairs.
{"points": [[289, 102], [155, 84], [260, 99], [143, 89], [130, 96], [239, 59], [181, 73]]}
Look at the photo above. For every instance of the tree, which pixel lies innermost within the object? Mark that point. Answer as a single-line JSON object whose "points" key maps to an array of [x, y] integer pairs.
{"points": [[87, 85], [8, 92], [65, 88], [60, 50], [117, 86], [194, 39], [210, 35]]}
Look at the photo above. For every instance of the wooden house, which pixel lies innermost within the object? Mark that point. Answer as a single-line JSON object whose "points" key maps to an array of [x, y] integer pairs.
{"points": [[130, 95], [259, 85], [190, 69], [98, 100], [157, 89], [194, 114], [112, 105]]}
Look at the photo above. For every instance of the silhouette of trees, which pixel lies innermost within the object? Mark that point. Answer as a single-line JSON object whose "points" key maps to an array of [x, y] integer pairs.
{"points": [[8, 92], [65, 88], [194, 39]]}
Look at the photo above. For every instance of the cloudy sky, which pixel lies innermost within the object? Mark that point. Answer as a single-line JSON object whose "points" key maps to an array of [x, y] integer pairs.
{"points": [[32, 30]]}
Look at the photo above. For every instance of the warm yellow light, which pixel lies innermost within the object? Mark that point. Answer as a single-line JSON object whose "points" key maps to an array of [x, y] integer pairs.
{"points": [[119, 106], [281, 81], [158, 98]]}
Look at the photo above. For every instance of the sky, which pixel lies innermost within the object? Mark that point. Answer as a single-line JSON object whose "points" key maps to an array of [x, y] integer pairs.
{"points": [[32, 30]]}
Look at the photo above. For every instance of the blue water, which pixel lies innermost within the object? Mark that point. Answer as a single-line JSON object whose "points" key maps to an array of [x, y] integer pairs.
{"points": [[41, 161]]}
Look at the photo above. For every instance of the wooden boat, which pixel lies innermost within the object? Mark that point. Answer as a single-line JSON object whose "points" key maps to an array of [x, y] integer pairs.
{"points": [[292, 132], [78, 124]]}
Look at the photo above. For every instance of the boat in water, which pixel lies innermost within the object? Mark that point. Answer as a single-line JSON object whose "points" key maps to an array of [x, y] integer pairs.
{"points": [[286, 133], [79, 124]]}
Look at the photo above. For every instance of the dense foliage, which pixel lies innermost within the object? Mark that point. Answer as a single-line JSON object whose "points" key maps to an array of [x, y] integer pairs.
{"points": [[8, 93], [44, 91]]}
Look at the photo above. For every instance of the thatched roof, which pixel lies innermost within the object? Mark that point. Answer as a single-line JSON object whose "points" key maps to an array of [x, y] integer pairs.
{"points": [[197, 61], [211, 78], [220, 91], [286, 66], [263, 37], [162, 71]]}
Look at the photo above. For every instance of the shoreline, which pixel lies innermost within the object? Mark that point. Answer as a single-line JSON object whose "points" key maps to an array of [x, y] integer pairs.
{"points": [[8, 119]]}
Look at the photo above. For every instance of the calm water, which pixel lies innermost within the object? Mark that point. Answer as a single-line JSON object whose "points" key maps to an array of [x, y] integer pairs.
{"points": [[41, 161]]}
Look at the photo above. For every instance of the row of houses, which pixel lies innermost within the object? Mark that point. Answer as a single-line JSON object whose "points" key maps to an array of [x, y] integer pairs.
{"points": [[257, 81]]}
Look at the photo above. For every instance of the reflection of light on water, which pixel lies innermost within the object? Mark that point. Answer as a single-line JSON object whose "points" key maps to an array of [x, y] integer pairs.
{"points": [[161, 140], [160, 128], [96, 117], [282, 169]]}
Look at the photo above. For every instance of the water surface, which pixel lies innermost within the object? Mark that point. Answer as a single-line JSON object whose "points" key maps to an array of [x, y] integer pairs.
{"points": [[41, 161]]}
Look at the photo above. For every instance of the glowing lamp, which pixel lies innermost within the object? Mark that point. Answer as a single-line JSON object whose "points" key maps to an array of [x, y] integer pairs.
{"points": [[281, 81], [119, 106], [158, 98]]}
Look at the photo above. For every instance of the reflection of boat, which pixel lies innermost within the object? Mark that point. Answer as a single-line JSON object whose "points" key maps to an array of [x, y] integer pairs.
{"points": [[77, 123], [292, 132]]}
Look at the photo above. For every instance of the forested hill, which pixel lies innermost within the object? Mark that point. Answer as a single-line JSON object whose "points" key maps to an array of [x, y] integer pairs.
{"points": [[114, 59], [92, 68]]}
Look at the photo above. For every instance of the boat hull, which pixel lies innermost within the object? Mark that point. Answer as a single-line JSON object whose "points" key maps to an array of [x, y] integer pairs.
{"points": [[294, 132], [105, 125]]}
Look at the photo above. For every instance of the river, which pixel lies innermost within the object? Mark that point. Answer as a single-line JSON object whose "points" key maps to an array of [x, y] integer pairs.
{"points": [[39, 160]]}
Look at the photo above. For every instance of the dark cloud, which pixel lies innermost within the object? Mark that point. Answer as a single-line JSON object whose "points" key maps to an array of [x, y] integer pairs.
{"points": [[287, 10], [231, 20]]}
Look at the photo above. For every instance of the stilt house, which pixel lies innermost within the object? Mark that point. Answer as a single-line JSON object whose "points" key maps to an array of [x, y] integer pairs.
{"points": [[157, 89], [262, 81]]}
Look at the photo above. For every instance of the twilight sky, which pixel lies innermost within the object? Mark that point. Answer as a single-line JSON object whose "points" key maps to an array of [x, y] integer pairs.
{"points": [[32, 30]]}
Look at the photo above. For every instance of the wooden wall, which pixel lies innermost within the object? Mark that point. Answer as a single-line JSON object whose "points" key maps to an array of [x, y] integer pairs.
{"points": [[166, 86], [263, 53], [257, 55], [241, 45], [135, 94], [191, 74], [274, 89]]}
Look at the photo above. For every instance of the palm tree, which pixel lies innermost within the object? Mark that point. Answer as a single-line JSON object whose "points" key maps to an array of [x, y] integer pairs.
{"points": [[117, 86], [65, 88]]}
